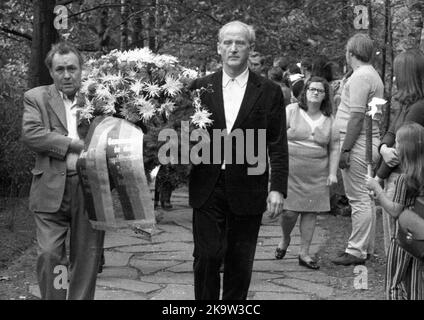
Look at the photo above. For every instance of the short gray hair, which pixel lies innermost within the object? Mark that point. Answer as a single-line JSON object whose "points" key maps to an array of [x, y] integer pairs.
{"points": [[251, 37]]}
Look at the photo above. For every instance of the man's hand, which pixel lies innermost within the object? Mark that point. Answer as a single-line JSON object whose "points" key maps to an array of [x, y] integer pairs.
{"points": [[275, 203], [344, 162], [76, 146], [332, 179], [389, 155]]}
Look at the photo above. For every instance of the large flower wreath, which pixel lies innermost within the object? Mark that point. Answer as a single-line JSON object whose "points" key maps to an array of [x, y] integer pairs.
{"points": [[150, 90]]}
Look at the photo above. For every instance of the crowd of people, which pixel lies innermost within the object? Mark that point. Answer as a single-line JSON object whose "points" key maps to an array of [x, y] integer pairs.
{"points": [[316, 137]]}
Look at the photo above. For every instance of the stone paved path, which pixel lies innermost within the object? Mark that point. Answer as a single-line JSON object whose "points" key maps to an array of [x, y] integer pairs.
{"points": [[136, 269]]}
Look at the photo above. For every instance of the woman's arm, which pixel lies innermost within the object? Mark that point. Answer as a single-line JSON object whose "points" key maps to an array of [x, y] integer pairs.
{"points": [[392, 208], [334, 155]]}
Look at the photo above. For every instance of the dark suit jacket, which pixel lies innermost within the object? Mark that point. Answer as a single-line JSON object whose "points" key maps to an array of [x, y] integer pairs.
{"points": [[44, 131], [262, 108]]}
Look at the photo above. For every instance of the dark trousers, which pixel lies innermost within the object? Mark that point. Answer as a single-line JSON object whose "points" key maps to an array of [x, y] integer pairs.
{"points": [[220, 235], [86, 246]]}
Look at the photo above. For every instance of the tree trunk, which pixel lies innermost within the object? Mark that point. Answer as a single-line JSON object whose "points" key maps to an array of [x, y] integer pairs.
{"points": [[43, 36], [124, 25], [103, 31], [137, 35], [152, 26]]}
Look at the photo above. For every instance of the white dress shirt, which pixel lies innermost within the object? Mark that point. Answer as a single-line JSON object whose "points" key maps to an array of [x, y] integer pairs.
{"points": [[71, 123], [233, 90]]}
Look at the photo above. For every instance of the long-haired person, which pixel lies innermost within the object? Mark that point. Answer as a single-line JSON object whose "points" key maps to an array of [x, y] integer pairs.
{"points": [[409, 75], [313, 160], [404, 273]]}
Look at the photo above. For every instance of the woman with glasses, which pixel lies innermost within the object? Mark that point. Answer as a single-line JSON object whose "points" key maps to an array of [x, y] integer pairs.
{"points": [[313, 160]]}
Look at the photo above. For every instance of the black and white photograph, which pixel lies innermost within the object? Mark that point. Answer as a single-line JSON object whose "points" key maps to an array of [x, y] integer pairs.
{"points": [[182, 152]]}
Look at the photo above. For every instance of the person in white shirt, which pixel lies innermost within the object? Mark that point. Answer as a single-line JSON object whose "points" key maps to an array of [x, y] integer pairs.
{"points": [[49, 128], [227, 201]]}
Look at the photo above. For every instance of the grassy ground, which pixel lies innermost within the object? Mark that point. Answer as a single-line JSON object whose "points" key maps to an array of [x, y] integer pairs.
{"points": [[338, 229], [17, 253], [16, 228]]}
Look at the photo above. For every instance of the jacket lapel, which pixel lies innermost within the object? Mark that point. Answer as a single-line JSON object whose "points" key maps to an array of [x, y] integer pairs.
{"points": [[251, 95], [56, 103], [218, 101]]}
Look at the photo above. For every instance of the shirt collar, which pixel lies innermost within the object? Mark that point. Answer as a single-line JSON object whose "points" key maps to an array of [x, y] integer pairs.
{"points": [[241, 79], [65, 98]]}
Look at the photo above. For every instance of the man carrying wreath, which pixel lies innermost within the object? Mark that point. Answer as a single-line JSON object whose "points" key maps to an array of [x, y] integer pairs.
{"points": [[49, 128]]}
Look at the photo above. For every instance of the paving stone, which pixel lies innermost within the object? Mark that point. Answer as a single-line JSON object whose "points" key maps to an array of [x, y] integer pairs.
{"points": [[268, 286], [184, 267], [151, 266], [118, 272], [165, 247], [165, 277], [116, 259], [183, 236], [114, 239], [105, 294], [276, 265], [307, 287], [263, 276], [177, 255], [175, 292], [279, 296], [313, 276], [129, 285]]}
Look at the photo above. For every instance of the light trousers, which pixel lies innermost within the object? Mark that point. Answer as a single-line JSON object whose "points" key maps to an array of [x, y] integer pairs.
{"points": [[58, 277], [361, 240]]}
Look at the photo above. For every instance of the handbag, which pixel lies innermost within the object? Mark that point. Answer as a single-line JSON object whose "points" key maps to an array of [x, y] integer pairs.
{"points": [[411, 229]]}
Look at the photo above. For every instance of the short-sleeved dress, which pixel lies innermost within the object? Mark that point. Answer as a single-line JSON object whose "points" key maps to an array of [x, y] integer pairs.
{"points": [[404, 273], [309, 147]]}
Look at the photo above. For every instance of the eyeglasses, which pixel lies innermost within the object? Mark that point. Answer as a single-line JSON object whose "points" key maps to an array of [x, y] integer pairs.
{"points": [[316, 90]]}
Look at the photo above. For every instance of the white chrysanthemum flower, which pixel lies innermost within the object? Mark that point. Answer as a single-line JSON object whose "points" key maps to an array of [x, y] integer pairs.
{"points": [[190, 73], [136, 55], [167, 107], [146, 108], [201, 118], [164, 59], [85, 84], [113, 79], [172, 86], [136, 87], [103, 93], [87, 111], [152, 89]]}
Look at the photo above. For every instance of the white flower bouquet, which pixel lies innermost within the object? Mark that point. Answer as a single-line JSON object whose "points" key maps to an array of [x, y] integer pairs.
{"points": [[138, 85]]}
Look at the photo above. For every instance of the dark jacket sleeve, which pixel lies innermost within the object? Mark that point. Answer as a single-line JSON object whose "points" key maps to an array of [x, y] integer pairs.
{"points": [[277, 144]]}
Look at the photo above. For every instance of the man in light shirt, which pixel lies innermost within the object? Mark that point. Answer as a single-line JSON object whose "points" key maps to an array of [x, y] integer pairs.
{"points": [[227, 201], [49, 128], [364, 84]]}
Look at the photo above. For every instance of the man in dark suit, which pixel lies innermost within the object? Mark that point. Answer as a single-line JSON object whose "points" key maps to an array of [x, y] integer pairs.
{"points": [[228, 199], [49, 128]]}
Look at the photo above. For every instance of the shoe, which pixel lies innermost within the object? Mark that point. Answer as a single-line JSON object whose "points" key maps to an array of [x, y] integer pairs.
{"points": [[280, 253], [347, 259], [308, 264]]}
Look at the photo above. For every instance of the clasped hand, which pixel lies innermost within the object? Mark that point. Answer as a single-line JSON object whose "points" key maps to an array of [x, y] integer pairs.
{"points": [[389, 155], [373, 185]]}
